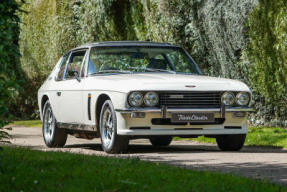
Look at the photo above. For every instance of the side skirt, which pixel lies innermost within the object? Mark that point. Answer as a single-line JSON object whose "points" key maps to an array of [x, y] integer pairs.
{"points": [[79, 130]]}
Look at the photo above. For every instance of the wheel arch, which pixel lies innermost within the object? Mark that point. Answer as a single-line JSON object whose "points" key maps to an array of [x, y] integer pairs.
{"points": [[99, 103], [44, 99]]}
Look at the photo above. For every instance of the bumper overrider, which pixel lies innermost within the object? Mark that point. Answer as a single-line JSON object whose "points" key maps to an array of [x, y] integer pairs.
{"points": [[142, 121]]}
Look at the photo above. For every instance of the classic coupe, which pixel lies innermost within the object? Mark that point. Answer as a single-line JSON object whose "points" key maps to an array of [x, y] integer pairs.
{"points": [[129, 89]]}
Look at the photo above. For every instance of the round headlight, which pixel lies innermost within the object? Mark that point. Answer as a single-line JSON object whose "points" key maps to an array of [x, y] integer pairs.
{"points": [[242, 98], [151, 99], [227, 98], [135, 99]]}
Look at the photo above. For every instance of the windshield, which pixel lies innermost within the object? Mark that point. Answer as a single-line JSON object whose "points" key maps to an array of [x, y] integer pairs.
{"points": [[140, 59]]}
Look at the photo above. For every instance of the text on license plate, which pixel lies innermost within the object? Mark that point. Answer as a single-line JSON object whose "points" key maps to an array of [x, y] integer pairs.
{"points": [[192, 117]]}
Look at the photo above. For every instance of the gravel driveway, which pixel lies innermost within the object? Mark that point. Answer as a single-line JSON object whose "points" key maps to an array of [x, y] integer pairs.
{"points": [[255, 162]]}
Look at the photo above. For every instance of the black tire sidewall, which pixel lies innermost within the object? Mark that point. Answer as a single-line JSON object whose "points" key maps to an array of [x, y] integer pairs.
{"points": [[108, 104], [46, 107], [160, 141], [231, 142]]}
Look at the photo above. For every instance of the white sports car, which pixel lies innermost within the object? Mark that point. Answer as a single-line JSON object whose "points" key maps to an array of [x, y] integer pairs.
{"points": [[126, 90]]}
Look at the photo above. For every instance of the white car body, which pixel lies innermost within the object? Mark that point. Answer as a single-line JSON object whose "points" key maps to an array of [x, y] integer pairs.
{"points": [[74, 103]]}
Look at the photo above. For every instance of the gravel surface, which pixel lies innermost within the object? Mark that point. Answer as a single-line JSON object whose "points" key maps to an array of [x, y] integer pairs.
{"points": [[254, 162]]}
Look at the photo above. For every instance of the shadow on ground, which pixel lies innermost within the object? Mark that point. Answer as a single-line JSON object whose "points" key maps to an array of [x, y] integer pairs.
{"points": [[174, 148], [274, 171]]}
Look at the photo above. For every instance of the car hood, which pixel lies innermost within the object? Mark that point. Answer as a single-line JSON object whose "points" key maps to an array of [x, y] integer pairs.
{"points": [[164, 82]]}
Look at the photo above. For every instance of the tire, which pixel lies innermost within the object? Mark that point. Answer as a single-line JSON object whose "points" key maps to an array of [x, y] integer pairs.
{"points": [[230, 142], [111, 141], [53, 136], [160, 141]]}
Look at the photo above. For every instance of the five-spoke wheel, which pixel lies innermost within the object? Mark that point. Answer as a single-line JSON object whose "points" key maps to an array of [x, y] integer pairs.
{"points": [[111, 141]]}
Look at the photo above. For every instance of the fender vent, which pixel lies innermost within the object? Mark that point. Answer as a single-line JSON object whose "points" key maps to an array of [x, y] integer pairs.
{"points": [[89, 106]]}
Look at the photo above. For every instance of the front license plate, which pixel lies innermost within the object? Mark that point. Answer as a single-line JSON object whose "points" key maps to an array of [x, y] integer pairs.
{"points": [[193, 117]]}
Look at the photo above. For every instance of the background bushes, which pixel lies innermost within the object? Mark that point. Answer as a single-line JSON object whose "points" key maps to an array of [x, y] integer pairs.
{"points": [[240, 39], [11, 75], [267, 50]]}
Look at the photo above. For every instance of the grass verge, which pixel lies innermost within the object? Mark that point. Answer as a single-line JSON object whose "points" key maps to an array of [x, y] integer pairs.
{"points": [[28, 170], [30, 123], [257, 136]]}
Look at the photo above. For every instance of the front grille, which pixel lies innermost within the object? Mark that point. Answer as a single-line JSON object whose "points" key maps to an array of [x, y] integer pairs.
{"points": [[190, 99]]}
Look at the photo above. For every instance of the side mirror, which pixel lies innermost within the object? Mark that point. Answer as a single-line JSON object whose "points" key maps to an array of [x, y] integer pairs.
{"points": [[74, 73]]}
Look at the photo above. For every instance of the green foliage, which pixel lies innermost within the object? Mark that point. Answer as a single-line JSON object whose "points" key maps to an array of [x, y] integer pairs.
{"points": [[9, 60], [214, 32], [28, 170], [268, 52]]}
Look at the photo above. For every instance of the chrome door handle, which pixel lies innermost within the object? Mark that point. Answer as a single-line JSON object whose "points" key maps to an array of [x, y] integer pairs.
{"points": [[59, 93]]}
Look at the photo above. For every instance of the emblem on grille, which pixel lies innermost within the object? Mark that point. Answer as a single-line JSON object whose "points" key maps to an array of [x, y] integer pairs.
{"points": [[176, 96], [190, 86]]}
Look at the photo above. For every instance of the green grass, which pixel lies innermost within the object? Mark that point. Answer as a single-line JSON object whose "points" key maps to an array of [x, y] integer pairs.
{"points": [[257, 136], [30, 123], [28, 170]]}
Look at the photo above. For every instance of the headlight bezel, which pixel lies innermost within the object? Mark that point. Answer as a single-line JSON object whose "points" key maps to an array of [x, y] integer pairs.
{"points": [[226, 93], [143, 103], [237, 98], [145, 100], [141, 100]]}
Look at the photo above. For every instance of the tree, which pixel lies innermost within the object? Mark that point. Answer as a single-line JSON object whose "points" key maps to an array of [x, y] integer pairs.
{"points": [[9, 59]]}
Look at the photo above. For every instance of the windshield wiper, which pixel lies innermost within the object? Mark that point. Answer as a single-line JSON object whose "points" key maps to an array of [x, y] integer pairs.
{"points": [[160, 70], [111, 71]]}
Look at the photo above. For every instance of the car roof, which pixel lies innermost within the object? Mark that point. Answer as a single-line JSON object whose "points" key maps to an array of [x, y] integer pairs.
{"points": [[124, 43]]}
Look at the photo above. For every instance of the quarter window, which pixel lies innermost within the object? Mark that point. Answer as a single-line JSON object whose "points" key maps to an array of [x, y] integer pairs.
{"points": [[62, 68], [75, 63]]}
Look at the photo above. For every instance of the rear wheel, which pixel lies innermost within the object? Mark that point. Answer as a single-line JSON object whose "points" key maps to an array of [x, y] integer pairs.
{"points": [[53, 136], [160, 141], [230, 142], [111, 141]]}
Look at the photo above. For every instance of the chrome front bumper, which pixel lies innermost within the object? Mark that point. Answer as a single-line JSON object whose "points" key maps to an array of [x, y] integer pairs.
{"points": [[165, 110], [128, 120]]}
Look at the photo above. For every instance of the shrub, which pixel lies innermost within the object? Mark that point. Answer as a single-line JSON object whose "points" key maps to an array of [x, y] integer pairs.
{"points": [[9, 60], [267, 51], [213, 31]]}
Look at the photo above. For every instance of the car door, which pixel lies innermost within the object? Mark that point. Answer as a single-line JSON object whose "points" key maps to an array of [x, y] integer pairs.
{"points": [[69, 89]]}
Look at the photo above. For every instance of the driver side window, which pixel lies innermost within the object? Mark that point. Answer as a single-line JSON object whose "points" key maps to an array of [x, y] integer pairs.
{"points": [[75, 63]]}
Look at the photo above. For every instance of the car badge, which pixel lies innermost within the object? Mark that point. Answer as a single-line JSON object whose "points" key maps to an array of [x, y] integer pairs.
{"points": [[176, 96]]}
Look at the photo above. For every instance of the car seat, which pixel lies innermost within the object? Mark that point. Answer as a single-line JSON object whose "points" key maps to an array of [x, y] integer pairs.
{"points": [[157, 64]]}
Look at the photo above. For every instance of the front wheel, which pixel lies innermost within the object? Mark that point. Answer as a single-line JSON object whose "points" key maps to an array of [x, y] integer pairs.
{"points": [[111, 141], [53, 136], [230, 142]]}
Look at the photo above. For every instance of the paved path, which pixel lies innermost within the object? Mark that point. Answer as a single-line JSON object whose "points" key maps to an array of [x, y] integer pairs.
{"points": [[255, 162]]}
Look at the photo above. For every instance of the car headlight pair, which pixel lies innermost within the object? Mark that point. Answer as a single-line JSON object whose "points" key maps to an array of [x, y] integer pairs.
{"points": [[136, 99], [242, 98]]}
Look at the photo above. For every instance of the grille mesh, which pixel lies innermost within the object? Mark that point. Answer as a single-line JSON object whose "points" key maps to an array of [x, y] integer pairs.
{"points": [[190, 99]]}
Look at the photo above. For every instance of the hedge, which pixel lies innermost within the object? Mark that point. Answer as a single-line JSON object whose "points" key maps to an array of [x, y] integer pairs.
{"points": [[10, 69], [224, 37]]}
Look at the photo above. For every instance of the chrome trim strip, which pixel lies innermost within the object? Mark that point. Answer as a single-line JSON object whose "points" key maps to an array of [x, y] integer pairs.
{"points": [[157, 110]]}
